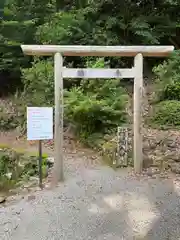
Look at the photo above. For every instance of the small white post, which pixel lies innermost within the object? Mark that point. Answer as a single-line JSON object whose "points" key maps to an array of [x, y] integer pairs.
{"points": [[138, 87], [58, 174]]}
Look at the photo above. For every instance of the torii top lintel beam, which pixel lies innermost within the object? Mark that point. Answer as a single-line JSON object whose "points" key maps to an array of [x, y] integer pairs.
{"points": [[80, 50]]}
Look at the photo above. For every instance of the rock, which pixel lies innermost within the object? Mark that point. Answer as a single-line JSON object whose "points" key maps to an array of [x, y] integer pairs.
{"points": [[158, 152], [171, 142], [2, 199], [8, 175], [152, 171], [175, 168], [149, 144], [24, 191], [173, 156], [107, 137], [149, 172], [37, 188], [29, 185], [34, 179], [50, 161], [147, 161], [31, 197], [15, 198]]}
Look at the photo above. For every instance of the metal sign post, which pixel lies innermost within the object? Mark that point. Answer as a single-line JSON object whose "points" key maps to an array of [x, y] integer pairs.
{"points": [[40, 164], [40, 127]]}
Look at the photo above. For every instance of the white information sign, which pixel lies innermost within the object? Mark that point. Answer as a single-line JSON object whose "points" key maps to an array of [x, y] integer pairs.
{"points": [[39, 123]]}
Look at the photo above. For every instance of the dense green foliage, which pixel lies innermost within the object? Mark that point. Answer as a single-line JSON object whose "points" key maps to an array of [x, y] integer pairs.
{"points": [[96, 106], [168, 78], [39, 83], [18, 25], [112, 22], [92, 106], [167, 113]]}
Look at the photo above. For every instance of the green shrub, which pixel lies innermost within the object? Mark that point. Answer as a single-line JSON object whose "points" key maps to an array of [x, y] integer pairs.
{"points": [[172, 91], [38, 91], [8, 122], [167, 113], [66, 28], [8, 117], [168, 78], [39, 83], [95, 106], [94, 111]]}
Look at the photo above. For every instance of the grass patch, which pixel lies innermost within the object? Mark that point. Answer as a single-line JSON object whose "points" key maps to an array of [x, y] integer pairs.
{"points": [[166, 115], [23, 151], [17, 167]]}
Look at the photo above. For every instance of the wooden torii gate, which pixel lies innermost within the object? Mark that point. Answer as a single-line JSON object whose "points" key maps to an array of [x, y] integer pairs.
{"points": [[61, 72]]}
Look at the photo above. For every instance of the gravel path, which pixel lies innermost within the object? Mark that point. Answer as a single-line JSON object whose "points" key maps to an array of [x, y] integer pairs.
{"points": [[97, 203]]}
